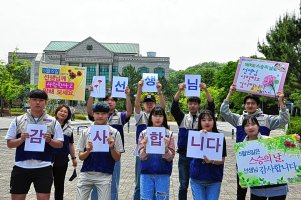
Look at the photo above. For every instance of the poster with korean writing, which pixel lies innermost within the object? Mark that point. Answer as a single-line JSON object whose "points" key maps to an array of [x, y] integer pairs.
{"points": [[205, 144], [99, 86], [36, 141], [268, 161], [192, 83], [63, 82], [118, 86], [155, 140], [99, 135], [149, 82], [261, 77]]}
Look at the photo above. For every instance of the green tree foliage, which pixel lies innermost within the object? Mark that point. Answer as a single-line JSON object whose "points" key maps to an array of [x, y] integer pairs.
{"points": [[14, 78], [283, 43]]}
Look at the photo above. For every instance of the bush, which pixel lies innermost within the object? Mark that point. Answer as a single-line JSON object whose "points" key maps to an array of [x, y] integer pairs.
{"points": [[80, 117], [294, 125]]}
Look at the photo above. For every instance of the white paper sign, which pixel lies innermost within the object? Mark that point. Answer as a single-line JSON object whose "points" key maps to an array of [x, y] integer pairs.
{"points": [[99, 87], [155, 140], [99, 135], [192, 83], [36, 142], [118, 86], [205, 144], [150, 82]]}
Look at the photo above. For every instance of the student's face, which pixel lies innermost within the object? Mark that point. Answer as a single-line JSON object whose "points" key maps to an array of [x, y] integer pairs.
{"points": [[100, 118], [207, 123], [62, 114], [148, 106], [157, 120], [37, 104], [193, 107], [252, 129], [251, 106], [112, 104]]}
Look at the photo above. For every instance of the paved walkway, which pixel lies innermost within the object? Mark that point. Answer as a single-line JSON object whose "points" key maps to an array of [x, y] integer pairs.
{"points": [[228, 191]]}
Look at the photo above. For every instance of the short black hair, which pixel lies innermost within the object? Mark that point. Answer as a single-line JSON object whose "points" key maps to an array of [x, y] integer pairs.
{"points": [[252, 119], [101, 107], [252, 96], [194, 99], [38, 94], [108, 96]]}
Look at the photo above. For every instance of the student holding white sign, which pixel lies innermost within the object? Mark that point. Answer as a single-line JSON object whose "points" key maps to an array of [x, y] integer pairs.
{"points": [[117, 120], [98, 166], [252, 108], [32, 166], [156, 168], [141, 117], [187, 122], [271, 192], [206, 175]]}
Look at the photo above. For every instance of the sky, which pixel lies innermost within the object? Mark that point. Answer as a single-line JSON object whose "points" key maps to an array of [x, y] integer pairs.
{"points": [[188, 31]]}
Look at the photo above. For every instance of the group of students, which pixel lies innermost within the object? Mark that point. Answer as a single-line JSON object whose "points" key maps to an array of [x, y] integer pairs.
{"points": [[100, 172]]}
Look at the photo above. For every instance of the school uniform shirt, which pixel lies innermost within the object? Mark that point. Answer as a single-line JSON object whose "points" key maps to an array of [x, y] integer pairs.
{"points": [[207, 172], [23, 120]]}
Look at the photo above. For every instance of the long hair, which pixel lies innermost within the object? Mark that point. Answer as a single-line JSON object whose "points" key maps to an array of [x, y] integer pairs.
{"points": [[69, 112], [158, 110], [210, 115]]}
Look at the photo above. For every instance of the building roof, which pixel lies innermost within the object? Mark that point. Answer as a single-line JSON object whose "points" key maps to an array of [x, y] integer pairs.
{"points": [[124, 48]]}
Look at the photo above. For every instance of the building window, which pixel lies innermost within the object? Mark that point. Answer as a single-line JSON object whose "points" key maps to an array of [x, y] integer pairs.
{"points": [[89, 47], [115, 71], [160, 71], [104, 71], [91, 71], [142, 70]]}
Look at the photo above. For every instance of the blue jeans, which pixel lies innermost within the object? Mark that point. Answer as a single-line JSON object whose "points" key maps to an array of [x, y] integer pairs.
{"points": [[136, 195], [153, 183], [114, 185], [205, 190], [184, 175]]}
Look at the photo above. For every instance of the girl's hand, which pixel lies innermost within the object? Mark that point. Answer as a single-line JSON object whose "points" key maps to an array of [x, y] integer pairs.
{"points": [[89, 146], [144, 141], [207, 160], [203, 131]]}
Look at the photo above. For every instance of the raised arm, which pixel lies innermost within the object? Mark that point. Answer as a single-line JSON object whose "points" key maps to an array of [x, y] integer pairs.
{"points": [[175, 109], [138, 96], [90, 102], [129, 109], [283, 117], [160, 94]]}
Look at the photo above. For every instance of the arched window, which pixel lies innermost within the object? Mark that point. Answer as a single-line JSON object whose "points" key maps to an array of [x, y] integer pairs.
{"points": [[142, 70], [160, 71]]}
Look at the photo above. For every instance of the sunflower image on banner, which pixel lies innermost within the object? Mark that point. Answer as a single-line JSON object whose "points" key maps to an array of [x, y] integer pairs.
{"points": [[63, 82]]}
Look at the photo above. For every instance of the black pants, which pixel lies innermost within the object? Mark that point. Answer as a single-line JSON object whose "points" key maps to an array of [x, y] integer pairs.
{"points": [[254, 197], [59, 173], [241, 192]]}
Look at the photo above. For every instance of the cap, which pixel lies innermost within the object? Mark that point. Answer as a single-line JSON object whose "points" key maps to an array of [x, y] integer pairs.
{"points": [[101, 107], [149, 98], [38, 94]]}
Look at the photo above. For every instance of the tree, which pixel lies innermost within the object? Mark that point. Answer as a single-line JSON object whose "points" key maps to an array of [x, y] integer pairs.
{"points": [[283, 43], [14, 78]]}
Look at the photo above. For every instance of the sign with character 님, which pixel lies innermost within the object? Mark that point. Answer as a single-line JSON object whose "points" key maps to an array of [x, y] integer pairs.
{"points": [[268, 161], [261, 77], [205, 144], [192, 83]]}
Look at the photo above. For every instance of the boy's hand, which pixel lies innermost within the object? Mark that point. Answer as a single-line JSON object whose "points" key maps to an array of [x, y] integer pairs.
{"points": [[89, 146], [111, 142]]}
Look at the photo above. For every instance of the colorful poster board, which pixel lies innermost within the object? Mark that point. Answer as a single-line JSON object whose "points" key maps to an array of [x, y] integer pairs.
{"points": [[205, 144], [63, 82], [261, 77], [268, 161]]}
